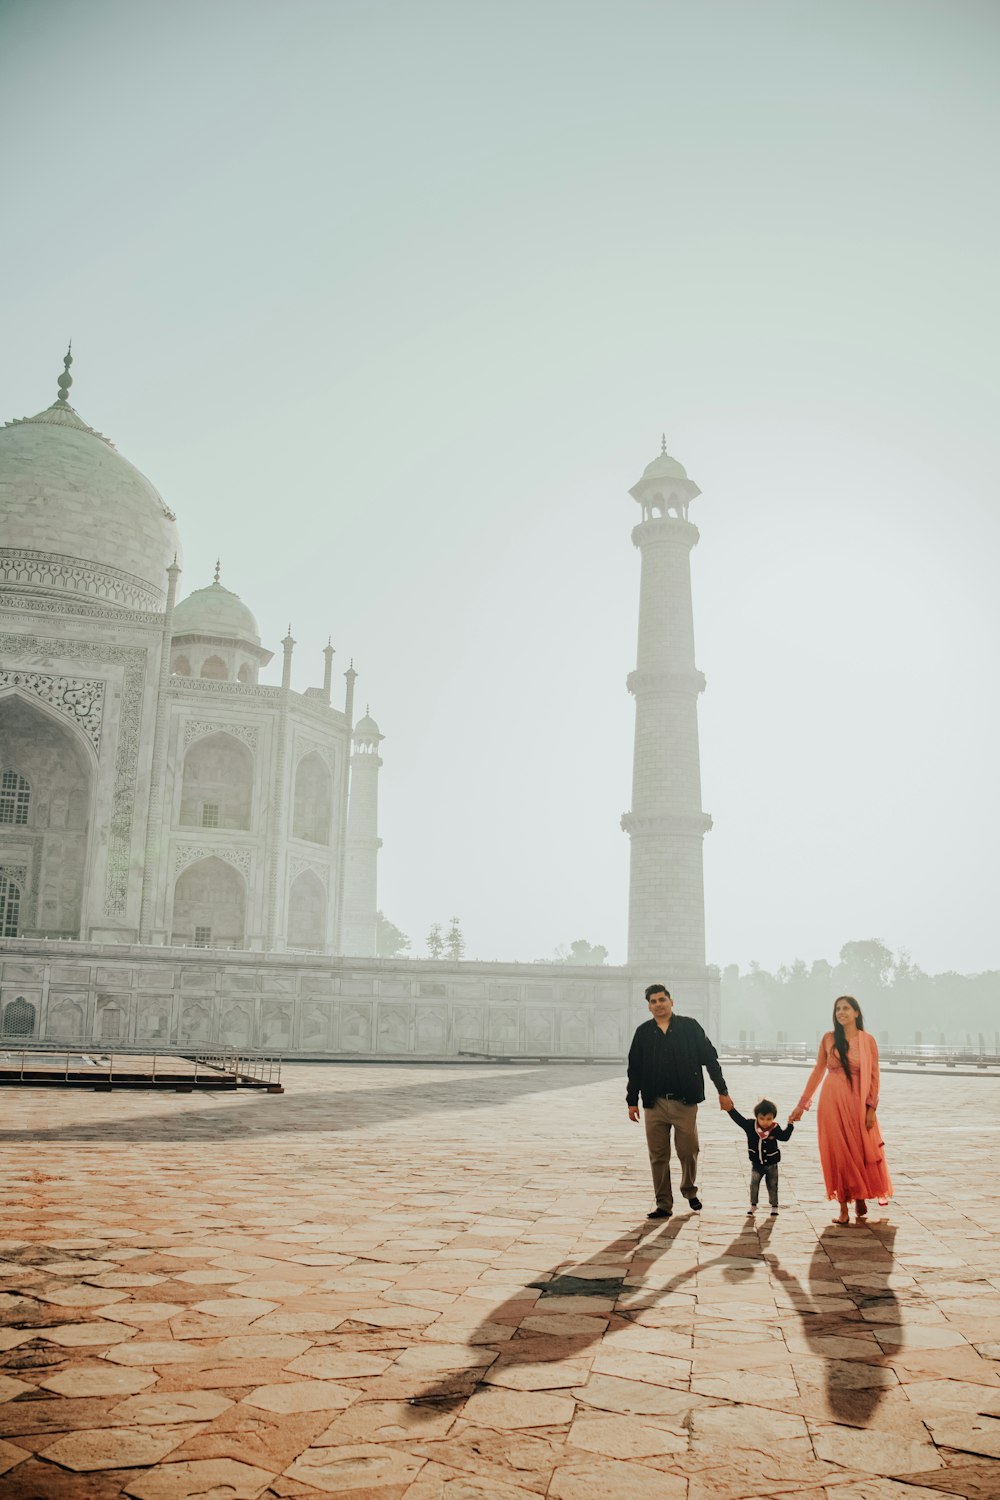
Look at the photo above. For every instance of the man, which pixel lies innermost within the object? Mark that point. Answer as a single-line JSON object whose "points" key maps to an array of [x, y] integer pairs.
{"points": [[665, 1063]]}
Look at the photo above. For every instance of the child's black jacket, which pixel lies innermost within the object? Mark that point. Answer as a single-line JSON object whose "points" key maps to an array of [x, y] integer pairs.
{"points": [[763, 1152]]}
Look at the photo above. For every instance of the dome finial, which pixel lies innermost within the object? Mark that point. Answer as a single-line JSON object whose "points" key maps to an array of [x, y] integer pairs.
{"points": [[663, 442], [65, 379], [218, 565]]}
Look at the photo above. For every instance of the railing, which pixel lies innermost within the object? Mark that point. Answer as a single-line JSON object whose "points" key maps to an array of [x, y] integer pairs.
{"points": [[162, 1065], [922, 1054], [249, 1067]]}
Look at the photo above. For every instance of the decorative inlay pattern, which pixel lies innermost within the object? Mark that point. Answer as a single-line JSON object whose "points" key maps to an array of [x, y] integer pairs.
{"points": [[79, 699], [18, 874], [46, 570], [308, 747], [189, 854], [133, 660], [297, 866], [52, 604], [197, 729]]}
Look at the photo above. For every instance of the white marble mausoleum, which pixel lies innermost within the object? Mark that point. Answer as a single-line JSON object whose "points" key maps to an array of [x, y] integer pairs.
{"points": [[161, 807]]}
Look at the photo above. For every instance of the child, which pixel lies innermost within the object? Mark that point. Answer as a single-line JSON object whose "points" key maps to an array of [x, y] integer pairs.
{"points": [[763, 1134]]}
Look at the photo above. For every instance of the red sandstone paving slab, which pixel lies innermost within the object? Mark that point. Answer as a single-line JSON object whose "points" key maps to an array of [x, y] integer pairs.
{"points": [[269, 1440], [115, 1448], [200, 1479], [439, 1482], [38, 1480], [350, 1469], [973, 1481], [589, 1476]]}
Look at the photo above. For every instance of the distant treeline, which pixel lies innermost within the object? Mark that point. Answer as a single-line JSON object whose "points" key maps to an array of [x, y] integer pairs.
{"points": [[898, 999]]}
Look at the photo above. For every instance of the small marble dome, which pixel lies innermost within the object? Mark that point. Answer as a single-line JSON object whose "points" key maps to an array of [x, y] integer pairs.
{"points": [[77, 516], [367, 729], [664, 467], [215, 611]]}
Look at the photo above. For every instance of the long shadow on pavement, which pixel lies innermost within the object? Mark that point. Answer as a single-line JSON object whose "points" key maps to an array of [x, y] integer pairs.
{"points": [[290, 1114], [853, 1381]]}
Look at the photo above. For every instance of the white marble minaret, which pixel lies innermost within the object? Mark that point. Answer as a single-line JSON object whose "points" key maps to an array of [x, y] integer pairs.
{"points": [[666, 826], [359, 939]]}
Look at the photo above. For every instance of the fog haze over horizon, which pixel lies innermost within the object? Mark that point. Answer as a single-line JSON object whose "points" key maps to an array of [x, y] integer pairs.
{"points": [[392, 303]]}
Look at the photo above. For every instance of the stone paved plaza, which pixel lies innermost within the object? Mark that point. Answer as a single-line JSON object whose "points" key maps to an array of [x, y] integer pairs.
{"points": [[370, 1288]]}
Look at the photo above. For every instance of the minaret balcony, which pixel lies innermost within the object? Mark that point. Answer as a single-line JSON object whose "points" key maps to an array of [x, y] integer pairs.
{"points": [[652, 684], [689, 825]]}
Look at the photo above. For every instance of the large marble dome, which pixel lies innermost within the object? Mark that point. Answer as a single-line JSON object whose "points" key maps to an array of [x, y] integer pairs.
{"points": [[77, 516]]}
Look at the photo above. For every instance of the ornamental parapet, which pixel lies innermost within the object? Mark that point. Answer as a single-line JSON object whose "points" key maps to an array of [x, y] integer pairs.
{"points": [[662, 683], [689, 825]]}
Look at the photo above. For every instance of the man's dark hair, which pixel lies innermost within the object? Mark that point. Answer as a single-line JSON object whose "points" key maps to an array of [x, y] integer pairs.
{"points": [[656, 989], [765, 1107]]}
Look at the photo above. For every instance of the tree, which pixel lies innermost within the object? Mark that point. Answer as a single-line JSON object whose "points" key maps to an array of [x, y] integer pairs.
{"points": [[582, 952], [389, 941], [455, 940], [435, 942]]}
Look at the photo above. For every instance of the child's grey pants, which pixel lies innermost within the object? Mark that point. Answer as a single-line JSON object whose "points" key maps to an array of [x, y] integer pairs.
{"points": [[770, 1176]]}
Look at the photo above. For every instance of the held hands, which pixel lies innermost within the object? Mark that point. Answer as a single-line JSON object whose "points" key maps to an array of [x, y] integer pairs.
{"points": [[633, 1111], [795, 1115], [725, 1102]]}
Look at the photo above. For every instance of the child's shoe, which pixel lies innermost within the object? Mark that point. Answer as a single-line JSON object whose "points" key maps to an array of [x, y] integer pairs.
{"points": [[751, 1210], [773, 1214]]}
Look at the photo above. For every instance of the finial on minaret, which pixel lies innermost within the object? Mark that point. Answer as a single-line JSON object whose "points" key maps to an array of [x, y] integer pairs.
{"points": [[65, 379], [218, 568], [663, 442]]}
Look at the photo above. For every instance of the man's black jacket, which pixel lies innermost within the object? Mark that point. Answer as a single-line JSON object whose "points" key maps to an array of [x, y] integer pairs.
{"points": [[671, 1063], [764, 1151]]}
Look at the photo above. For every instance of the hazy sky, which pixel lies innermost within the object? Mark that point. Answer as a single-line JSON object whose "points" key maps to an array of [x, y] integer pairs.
{"points": [[392, 301]]}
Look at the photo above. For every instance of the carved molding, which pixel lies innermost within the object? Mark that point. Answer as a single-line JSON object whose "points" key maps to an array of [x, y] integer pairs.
{"points": [[686, 824], [46, 570], [79, 699], [133, 661], [213, 685], [197, 729], [54, 604], [189, 854], [18, 874]]}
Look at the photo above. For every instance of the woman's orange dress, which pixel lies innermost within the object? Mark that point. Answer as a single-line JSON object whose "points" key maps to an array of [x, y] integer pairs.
{"points": [[852, 1157]]}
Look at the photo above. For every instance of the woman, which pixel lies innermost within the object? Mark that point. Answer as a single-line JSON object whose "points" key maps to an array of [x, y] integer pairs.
{"points": [[850, 1142]]}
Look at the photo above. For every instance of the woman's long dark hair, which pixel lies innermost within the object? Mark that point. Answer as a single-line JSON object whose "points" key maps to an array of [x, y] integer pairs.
{"points": [[839, 1039]]}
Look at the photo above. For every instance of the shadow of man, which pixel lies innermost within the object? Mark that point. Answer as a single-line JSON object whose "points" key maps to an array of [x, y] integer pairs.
{"points": [[573, 1309]]}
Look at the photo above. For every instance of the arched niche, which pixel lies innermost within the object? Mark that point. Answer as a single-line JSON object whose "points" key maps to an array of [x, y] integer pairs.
{"points": [[46, 782], [306, 912], [215, 668], [181, 666], [11, 903], [217, 786], [19, 1018], [312, 804], [210, 902]]}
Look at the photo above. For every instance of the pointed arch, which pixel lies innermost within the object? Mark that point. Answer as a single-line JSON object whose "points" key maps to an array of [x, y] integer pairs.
{"points": [[47, 767], [312, 805], [217, 784], [210, 904], [215, 668], [19, 1018]]}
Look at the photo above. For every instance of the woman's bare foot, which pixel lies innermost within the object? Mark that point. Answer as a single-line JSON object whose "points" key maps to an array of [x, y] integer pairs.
{"points": [[843, 1219], [860, 1209]]}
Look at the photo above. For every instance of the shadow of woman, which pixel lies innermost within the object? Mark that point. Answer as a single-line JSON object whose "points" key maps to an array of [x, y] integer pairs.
{"points": [[574, 1306], [855, 1373]]}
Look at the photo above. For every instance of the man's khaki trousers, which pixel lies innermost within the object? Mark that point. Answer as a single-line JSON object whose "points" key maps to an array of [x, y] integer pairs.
{"points": [[682, 1119]]}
